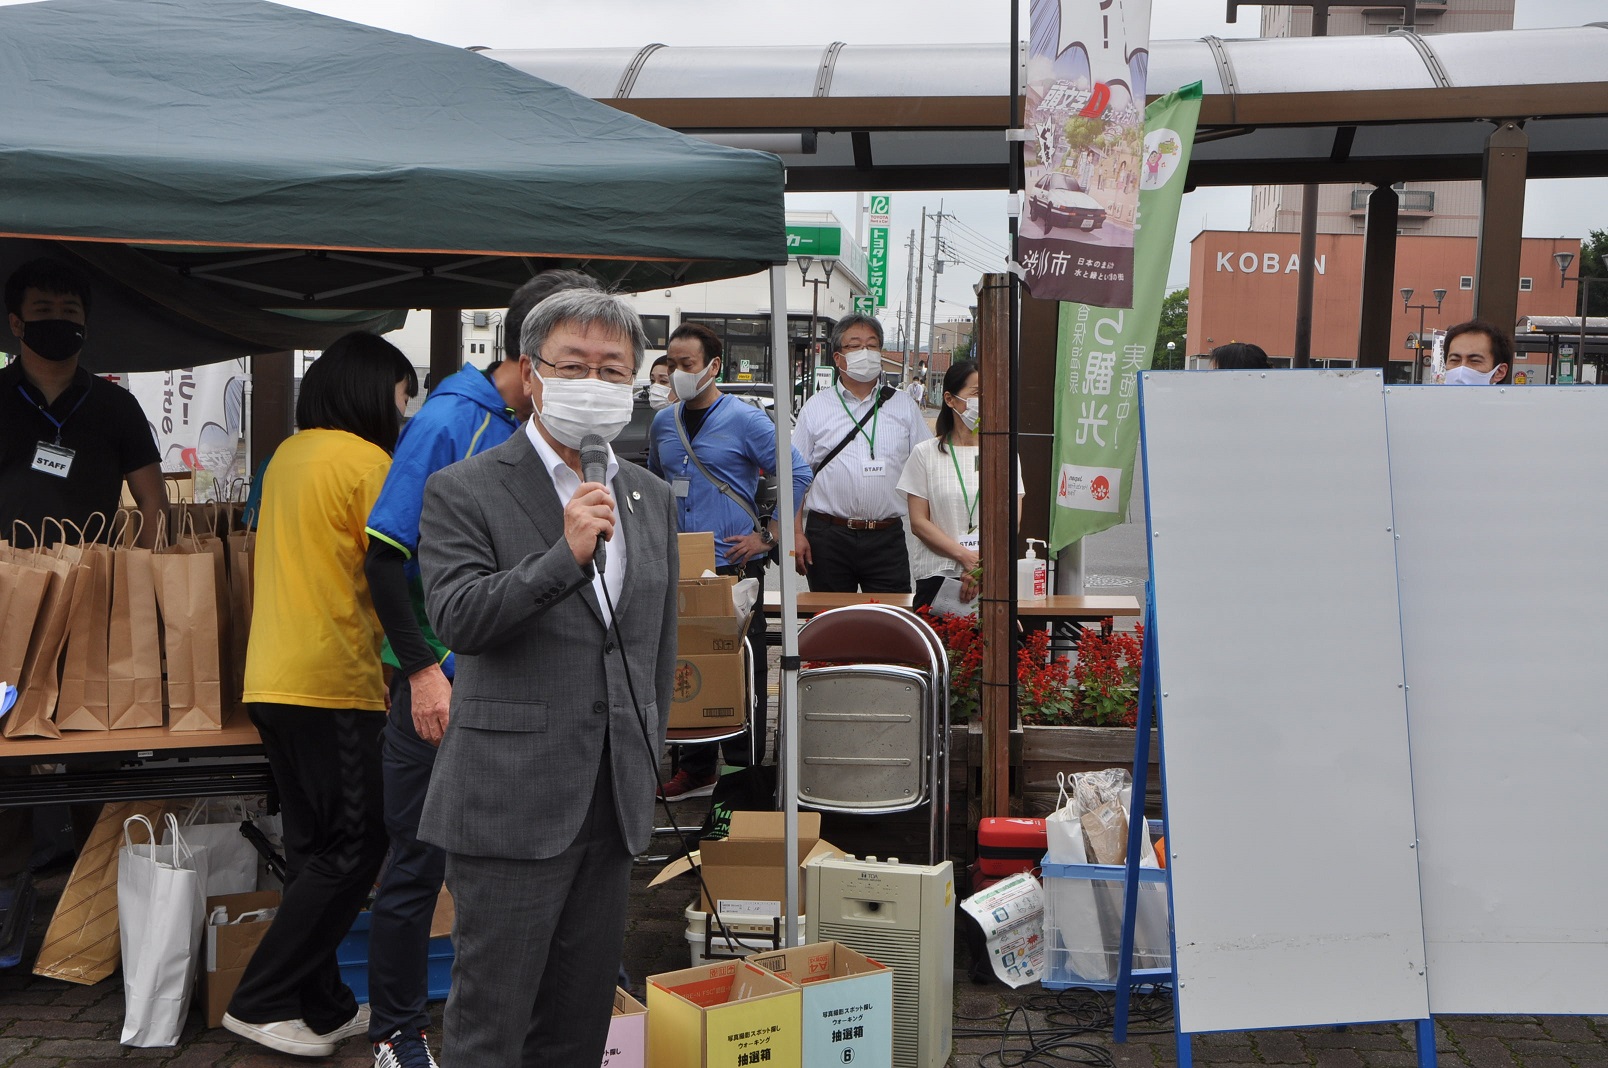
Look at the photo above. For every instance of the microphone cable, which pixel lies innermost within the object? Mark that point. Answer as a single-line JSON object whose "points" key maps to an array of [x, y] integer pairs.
{"points": [[730, 939]]}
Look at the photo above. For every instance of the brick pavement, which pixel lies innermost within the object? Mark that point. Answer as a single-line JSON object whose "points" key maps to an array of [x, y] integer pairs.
{"points": [[49, 1024]]}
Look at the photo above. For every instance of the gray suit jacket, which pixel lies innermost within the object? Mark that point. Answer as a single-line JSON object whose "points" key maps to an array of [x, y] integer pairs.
{"points": [[539, 682]]}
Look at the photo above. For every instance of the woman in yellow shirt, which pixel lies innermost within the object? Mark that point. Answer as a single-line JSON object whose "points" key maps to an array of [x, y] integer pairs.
{"points": [[314, 689]]}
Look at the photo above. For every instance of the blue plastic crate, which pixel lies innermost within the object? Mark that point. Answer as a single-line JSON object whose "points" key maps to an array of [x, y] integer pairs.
{"points": [[1083, 926], [353, 955]]}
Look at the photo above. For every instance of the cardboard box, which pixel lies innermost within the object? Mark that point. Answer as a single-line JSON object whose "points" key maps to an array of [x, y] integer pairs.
{"points": [[711, 681], [744, 871], [848, 1003], [627, 1046], [726, 1015], [697, 553], [228, 949], [698, 597]]}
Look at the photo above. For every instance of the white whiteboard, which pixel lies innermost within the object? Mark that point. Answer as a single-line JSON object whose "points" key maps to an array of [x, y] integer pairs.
{"points": [[1501, 500], [1296, 897]]}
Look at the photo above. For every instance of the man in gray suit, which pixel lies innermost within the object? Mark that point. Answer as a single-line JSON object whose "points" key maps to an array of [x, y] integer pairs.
{"points": [[544, 785]]}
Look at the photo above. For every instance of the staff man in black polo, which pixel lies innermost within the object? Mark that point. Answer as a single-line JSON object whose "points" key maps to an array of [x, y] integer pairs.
{"points": [[68, 440]]}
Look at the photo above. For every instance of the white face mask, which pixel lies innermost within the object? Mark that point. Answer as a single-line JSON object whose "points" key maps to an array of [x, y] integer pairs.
{"points": [[971, 416], [863, 365], [572, 408], [1463, 375], [658, 396], [688, 384]]}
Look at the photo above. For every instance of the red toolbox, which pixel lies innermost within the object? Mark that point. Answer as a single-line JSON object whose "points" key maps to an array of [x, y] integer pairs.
{"points": [[1006, 845]]}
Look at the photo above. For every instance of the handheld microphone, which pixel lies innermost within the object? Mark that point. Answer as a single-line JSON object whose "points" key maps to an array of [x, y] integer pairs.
{"points": [[595, 468]]}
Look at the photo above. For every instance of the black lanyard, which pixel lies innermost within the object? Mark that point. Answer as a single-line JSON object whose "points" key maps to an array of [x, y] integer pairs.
{"points": [[57, 423]]}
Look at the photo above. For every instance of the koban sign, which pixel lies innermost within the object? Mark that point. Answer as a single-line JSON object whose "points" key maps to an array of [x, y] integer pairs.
{"points": [[1265, 263]]}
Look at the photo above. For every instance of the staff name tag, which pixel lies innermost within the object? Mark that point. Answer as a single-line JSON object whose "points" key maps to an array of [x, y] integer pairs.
{"points": [[971, 542], [681, 487], [52, 459], [874, 468]]}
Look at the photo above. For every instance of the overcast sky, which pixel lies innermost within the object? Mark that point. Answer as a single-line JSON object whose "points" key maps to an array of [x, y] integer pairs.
{"points": [[1552, 208]]}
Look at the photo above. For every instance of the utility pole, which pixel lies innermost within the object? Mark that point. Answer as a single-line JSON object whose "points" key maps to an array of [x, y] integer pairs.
{"points": [[921, 252], [904, 313], [937, 269]]}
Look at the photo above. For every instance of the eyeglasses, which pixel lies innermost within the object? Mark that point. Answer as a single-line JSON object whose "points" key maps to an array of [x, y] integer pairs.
{"points": [[611, 373]]}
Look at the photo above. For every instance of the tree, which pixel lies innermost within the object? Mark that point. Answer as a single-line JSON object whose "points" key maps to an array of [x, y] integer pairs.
{"points": [[1174, 322], [1593, 263]]}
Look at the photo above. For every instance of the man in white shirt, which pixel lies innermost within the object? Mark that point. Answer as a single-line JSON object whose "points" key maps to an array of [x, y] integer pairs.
{"points": [[857, 436]]}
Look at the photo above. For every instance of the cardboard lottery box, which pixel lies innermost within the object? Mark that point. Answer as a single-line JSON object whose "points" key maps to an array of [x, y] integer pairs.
{"points": [[744, 871], [228, 950], [627, 1046], [848, 1003], [710, 691], [729, 1014]]}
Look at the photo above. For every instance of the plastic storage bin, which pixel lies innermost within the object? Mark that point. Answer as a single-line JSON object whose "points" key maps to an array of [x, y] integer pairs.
{"points": [[748, 934], [1083, 926], [353, 955]]}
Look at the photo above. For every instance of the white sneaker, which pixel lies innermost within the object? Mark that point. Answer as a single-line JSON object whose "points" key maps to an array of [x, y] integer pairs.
{"points": [[286, 1036], [357, 1025]]}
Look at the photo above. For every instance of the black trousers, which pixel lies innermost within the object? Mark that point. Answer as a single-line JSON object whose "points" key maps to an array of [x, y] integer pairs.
{"points": [[326, 768], [700, 760], [856, 561], [399, 926]]}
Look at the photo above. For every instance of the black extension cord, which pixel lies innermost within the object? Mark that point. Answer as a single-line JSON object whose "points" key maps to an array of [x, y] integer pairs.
{"points": [[653, 759]]}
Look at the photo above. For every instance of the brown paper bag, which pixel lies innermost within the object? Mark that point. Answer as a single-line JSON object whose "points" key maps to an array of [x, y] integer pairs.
{"points": [[40, 683], [22, 595], [82, 706], [133, 648], [218, 549], [188, 600], [242, 577], [82, 942], [1107, 831], [445, 915]]}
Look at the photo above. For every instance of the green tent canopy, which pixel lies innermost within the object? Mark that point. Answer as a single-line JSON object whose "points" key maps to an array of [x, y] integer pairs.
{"points": [[240, 177]]}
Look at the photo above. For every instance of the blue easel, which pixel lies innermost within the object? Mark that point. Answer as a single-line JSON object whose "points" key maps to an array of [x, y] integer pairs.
{"points": [[1150, 700]]}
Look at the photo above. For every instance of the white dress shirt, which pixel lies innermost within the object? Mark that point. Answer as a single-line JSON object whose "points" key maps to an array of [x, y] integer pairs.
{"points": [[565, 483], [847, 487]]}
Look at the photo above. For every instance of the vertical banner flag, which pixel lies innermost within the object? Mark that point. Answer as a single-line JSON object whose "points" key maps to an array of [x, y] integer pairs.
{"points": [[1086, 67], [877, 254], [1102, 350], [197, 415]]}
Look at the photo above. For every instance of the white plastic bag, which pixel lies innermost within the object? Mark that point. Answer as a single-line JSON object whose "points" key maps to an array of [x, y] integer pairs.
{"points": [[1063, 828], [160, 906], [214, 825]]}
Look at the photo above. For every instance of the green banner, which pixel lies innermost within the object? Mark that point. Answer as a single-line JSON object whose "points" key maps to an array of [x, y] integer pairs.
{"points": [[1101, 351]]}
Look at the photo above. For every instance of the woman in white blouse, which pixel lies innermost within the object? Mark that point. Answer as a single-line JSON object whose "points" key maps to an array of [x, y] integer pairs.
{"points": [[940, 483]]}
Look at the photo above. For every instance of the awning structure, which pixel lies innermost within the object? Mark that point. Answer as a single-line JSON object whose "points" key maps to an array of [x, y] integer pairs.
{"points": [[1397, 107], [243, 165]]}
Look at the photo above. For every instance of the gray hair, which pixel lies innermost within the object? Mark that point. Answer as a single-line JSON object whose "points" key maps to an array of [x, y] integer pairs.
{"points": [[843, 325], [533, 293], [583, 309]]}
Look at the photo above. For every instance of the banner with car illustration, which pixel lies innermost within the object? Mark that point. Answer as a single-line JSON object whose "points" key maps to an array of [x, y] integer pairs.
{"points": [[1085, 153], [1102, 350]]}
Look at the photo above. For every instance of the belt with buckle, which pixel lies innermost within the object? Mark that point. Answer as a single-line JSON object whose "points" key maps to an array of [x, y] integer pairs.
{"points": [[861, 524]]}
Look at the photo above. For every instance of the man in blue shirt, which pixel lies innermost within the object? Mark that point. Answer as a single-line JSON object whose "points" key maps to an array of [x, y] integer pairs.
{"points": [[735, 443], [468, 413]]}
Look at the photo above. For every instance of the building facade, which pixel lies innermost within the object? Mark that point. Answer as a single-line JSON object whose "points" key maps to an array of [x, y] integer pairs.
{"points": [[736, 309], [1242, 286], [1429, 209]]}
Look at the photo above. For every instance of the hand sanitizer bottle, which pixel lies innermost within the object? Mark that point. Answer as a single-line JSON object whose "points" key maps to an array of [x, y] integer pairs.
{"points": [[1032, 576]]}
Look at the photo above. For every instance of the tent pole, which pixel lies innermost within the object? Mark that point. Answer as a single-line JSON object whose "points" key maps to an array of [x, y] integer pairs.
{"points": [[787, 710]]}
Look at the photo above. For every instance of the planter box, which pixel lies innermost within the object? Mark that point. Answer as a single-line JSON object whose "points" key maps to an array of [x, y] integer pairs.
{"points": [[1048, 750]]}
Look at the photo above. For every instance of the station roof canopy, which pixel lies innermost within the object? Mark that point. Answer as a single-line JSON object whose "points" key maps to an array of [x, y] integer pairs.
{"points": [[1398, 107]]}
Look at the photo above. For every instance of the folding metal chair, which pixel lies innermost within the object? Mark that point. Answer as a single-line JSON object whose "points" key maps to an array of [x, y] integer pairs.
{"points": [[874, 720]]}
